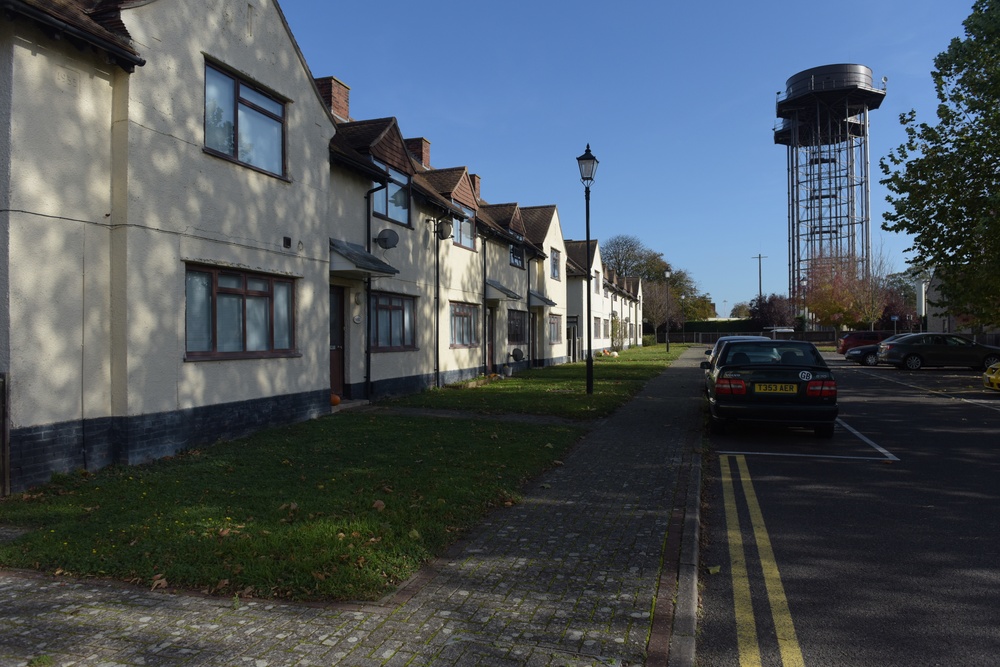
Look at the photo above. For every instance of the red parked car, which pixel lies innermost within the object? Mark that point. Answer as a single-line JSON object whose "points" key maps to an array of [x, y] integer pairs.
{"points": [[855, 338]]}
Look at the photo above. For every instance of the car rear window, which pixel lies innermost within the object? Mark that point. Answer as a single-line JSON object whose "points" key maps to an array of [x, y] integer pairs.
{"points": [[773, 352]]}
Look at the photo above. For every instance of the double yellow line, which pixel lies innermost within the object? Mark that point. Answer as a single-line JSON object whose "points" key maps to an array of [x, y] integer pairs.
{"points": [[746, 624]]}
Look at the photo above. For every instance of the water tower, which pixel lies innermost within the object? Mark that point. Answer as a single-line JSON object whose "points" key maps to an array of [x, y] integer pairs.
{"points": [[823, 120]]}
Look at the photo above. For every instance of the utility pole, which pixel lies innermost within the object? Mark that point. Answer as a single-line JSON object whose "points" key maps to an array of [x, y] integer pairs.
{"points": [[760, 282]]}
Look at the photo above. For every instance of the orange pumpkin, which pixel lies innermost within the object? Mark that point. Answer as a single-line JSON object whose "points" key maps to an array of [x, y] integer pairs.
{"points": [[334, 399]]}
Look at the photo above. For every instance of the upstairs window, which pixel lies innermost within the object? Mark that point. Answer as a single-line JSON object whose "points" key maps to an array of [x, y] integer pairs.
{"points": [[393, 201], [463, 232], [243, 123], [555, 259], [516, 256]]}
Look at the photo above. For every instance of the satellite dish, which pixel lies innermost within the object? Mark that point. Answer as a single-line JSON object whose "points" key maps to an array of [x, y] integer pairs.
{"points": [[443, 231], [386, 239], [517, 353]]}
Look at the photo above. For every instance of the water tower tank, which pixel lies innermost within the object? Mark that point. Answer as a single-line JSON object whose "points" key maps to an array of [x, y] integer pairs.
{"points": [[823, 122]]}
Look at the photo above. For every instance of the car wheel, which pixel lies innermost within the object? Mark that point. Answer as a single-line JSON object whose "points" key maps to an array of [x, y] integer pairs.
{"points": [[913, 362], [990, 360], [824, 431], [871, 359]]}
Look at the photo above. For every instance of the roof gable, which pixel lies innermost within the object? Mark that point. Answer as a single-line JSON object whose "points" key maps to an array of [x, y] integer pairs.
{"points": [[537, 221], [455, 184], [381, 139], [508, 216]]}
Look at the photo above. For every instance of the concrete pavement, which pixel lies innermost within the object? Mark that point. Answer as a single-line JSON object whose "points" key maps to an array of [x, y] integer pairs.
{"points": [[598, 566]]}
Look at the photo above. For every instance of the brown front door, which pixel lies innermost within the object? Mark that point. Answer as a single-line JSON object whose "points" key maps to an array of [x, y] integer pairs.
{"points": [[337, 340], [490, 321]]}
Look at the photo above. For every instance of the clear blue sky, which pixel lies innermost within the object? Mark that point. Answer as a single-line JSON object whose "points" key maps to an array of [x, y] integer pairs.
{"points": [[675, 99]]}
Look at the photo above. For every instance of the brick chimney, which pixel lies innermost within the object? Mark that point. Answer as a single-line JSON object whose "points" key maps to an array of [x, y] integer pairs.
{"points": [[420, 148], [337, 96], [476, 183]]}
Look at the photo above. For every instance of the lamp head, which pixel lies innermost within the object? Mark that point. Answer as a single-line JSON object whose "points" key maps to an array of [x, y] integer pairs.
{"points": [[588, 167]]}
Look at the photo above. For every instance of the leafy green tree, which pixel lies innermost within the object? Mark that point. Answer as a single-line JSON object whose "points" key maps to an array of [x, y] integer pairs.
{"points": [[741, 309], [630, 257], [944, 181]]}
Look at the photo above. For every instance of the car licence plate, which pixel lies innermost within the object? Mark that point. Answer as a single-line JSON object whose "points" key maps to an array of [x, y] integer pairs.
{"points": [[773, 388]]}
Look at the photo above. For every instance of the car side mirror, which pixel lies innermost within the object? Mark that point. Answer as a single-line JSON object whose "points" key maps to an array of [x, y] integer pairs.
{"points": [[708, 352], [706, 365]]}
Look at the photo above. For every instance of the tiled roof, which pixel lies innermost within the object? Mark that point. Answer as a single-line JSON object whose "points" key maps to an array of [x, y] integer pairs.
{"points": [[537, 220], [342, 152], [361, 135], [445, 181], [508, 216], [94, 22], [576, 251]]}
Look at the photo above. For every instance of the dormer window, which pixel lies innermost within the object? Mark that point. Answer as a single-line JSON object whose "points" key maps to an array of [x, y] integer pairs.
{"points": [[464, 229], [393, 201]]}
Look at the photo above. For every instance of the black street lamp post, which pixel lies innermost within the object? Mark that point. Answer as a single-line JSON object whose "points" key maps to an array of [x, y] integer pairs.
{"points": [[666, 327], [588, 167]]}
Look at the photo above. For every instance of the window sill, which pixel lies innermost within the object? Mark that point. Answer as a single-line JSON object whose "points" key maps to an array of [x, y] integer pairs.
{"points": [[240, 356], [246, 165]]}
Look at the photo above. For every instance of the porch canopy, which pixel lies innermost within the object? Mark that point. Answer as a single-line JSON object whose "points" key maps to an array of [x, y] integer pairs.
{"points": [[495, 291], [352, 260], [537, 300]]}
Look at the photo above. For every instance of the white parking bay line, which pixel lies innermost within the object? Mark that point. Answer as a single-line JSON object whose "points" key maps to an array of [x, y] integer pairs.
{"points": [[886, 455], [930, 390], [860, 436]]}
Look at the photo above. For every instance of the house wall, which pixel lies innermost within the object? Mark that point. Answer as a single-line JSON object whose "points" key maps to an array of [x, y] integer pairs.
{"points": [[184, 205], [461, 280], [347, 220], [56, 245], [556, 290], [396, 372], [498, 268]]}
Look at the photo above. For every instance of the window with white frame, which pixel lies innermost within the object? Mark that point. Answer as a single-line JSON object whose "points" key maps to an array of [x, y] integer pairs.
{"points": [[393, 201], [555, 262], [555, 329], [517, 327], [392, 325], [597, 282], [235, 313], [243, 123], [464, 325]]}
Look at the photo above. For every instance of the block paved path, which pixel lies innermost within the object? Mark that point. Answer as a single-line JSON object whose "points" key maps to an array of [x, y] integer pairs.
{"points": [[570, 577]]}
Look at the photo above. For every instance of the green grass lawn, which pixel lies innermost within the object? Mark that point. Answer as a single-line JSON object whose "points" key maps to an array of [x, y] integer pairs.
{"points": [[340, 508]]}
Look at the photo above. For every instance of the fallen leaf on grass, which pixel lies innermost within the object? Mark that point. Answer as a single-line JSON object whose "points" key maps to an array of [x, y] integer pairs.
{"points": [[378, 505], [158, 582]]}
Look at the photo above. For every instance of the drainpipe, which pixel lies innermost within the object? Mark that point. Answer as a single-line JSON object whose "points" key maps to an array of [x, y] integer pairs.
{"points": [[532, 340], [437, 303], [368, 291], [485, 327]]}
